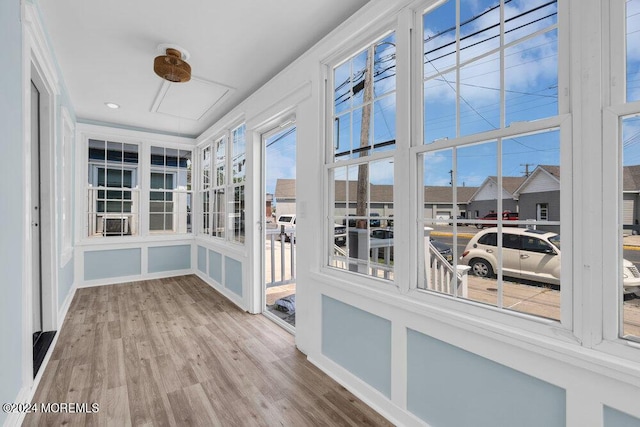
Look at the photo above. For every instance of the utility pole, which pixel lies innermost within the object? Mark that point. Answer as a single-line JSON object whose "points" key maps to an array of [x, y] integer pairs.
{"points": [[363, 169], [526, 168]]}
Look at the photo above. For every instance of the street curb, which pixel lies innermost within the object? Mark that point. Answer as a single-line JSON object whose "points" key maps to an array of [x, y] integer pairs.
{"points": [[447, 234]]}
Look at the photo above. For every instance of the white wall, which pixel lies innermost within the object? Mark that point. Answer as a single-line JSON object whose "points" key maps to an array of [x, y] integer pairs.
{"points": [[11, 202]]}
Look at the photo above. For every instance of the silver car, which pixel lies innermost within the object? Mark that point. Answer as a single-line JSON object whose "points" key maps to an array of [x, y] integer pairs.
{"points": [[527, 254]]}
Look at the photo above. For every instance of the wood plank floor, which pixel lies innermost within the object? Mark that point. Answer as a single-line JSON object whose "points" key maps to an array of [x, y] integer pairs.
{"points": [[175, 352]]}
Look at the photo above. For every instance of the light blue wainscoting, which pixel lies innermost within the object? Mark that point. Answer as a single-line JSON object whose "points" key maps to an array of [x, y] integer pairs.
{"points": [[614, 418], [202, 259], [448, 386], [215, 266], [358, 341], [112, 263], [169, 258], [233, 275]]}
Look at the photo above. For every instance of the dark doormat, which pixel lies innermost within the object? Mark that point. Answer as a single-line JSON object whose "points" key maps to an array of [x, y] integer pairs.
{"points": [[41, 344]]}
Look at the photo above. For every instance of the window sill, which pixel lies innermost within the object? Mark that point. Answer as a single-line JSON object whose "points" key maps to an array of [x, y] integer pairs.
{"points": [[134, 240], [226, 246]]}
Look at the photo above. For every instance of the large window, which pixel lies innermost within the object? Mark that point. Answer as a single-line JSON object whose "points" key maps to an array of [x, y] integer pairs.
{"points": [[222, 192], [212, 197], [236, 188], [360, 162], [113, 192], [490, 166], [628, 106], [170, 190]]}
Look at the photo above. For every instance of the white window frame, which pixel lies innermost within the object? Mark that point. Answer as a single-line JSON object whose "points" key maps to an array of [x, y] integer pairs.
{"points": [[542, 211], [233, 186], [228, 185], [143, 140], [612, 247], [561, 121], [203, 188], [402, 139], [409, 146], [91, 168], [176, 192]]}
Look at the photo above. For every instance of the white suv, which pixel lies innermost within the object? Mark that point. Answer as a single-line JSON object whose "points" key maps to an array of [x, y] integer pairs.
{"points": [[527, 254]]}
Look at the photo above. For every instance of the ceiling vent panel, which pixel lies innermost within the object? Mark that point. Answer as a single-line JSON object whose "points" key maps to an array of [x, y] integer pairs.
{"points": [[190, 100]]}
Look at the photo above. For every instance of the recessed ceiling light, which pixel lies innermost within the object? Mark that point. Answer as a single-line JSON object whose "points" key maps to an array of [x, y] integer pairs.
{"points": [[112, 105]]}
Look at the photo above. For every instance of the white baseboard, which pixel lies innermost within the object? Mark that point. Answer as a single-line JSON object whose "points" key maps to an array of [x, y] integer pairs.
{"points": [[26, 394], [237, 300], [136, 278], [15, 419], [62, 312], [366, 393]]}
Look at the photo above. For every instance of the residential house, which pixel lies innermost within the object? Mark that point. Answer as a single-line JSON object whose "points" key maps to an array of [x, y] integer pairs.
{"points": [[485, 199], [285, 196], [539, 196], [631, 199], [438, 201]]}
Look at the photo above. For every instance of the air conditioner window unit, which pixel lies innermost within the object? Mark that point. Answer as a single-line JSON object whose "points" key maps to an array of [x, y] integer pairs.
{"points": [[115, 226]]}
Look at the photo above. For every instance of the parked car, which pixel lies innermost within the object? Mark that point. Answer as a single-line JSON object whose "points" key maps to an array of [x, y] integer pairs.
{"points": [[289, 223], [506, 216], [383, 233], [374, 220], [527, 254], [442, 248], [340, 234], [460, 220]]}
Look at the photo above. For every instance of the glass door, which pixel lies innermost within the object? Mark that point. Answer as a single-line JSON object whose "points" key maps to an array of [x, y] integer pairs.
{"points": [[279, 230]]}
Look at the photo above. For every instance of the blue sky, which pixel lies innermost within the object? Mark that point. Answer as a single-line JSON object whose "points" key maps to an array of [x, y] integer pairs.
{"points": [[280, 161], [631, 125]]}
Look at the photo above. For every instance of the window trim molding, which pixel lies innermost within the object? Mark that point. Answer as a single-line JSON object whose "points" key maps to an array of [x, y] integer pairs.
{"points": [[144, 141], [615, 108], [225, 132]]}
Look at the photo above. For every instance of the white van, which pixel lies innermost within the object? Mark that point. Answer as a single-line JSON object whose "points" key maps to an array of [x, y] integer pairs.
{"points": [[289, 222]]}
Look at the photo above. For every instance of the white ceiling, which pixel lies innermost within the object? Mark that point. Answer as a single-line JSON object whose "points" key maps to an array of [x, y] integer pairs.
{"points": [[105, 50]]}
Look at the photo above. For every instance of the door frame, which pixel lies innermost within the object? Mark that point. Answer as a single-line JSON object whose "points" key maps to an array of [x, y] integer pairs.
{"points": [[258, 200], [284, 123], [37, 65]]}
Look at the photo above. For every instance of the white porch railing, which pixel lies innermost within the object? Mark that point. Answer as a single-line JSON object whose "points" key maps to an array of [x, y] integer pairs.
{"points": [[440, 275], [280, 253], [376, 259]]}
